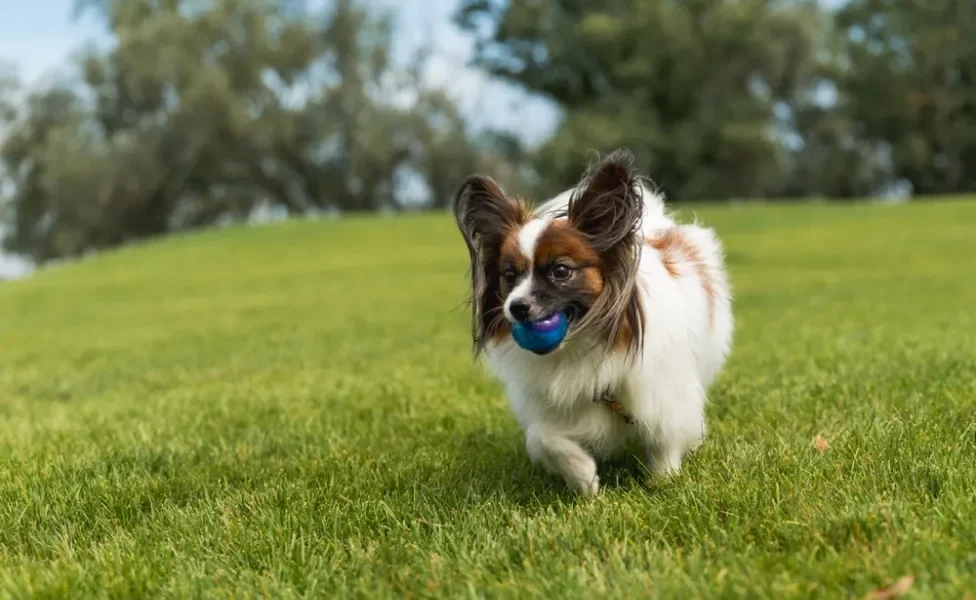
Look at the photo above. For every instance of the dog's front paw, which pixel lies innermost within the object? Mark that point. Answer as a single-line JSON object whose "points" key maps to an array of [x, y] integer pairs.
{"points": [[559, 454], [588, 488], [579, 471]]}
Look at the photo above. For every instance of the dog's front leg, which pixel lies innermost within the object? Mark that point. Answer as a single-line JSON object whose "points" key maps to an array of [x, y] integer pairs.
{"points": [[561, 455]]}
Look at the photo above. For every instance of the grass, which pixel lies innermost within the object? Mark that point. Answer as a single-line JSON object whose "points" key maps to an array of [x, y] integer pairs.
{"points": [[292, 411]]}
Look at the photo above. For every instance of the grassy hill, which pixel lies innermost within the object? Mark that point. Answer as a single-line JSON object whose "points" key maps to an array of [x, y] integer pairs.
{"points": [[293, 411]]}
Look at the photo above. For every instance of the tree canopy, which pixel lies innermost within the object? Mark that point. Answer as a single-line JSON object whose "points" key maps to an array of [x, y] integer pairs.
{"points": [[909, 87], [752, 98], [207, 111], [690, 87]]}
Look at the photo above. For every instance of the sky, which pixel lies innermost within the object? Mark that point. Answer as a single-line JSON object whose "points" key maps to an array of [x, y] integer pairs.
{"points": [[39, 37]]}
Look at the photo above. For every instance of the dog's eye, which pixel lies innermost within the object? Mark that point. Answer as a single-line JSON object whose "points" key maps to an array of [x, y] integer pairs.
{"points": [[510, 276], [560, 272]]}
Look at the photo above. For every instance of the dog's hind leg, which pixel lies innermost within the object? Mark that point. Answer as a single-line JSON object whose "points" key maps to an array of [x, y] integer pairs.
{"points": [[678, 429]]}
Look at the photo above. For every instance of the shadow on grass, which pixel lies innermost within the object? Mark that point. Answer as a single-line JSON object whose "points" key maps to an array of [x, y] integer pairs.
{"points": [[493, 465]]}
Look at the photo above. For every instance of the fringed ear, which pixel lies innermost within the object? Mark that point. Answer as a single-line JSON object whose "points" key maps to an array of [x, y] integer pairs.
{"points": [[481, 208], [606, 209], [608, 202], [485, 215]]}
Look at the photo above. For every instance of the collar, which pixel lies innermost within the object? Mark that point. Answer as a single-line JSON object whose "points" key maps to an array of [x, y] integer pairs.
{"points": [[606, 397]]}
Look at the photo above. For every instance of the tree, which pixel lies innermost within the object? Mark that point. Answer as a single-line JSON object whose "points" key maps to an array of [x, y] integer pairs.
{"points": [[206, 111], [691, 87], [909, 87], [9, 88]]}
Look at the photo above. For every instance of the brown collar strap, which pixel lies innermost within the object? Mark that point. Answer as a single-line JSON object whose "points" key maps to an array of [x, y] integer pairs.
{"points": [[606, 397]]}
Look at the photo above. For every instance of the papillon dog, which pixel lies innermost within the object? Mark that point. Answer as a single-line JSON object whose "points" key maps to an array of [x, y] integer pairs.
{"points": [[648, 305]]}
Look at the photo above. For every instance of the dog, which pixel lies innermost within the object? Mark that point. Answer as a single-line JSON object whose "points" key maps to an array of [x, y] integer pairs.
{"points": [[648, 303]]}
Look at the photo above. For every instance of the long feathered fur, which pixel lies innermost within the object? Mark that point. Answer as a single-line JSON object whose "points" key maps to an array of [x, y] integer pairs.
{"points": [[485, 214], [606, 209]]}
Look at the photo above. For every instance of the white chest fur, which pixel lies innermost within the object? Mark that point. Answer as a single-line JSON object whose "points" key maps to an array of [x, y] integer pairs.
{"points": [[566, 392]]}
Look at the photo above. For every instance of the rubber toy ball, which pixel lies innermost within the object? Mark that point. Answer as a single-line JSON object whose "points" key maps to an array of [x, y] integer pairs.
{"points": [[542, 336]]}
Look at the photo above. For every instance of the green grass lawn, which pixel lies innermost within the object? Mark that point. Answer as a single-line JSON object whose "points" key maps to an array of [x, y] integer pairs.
{"points": [[293, 411]]}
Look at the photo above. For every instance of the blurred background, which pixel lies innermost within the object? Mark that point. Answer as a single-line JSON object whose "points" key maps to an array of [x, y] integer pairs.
{"points": [[121, 120]]}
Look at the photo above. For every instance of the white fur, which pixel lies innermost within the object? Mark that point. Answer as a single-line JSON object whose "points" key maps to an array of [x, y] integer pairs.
{"points": [[519, 291], [528, 237], [664, 389]]}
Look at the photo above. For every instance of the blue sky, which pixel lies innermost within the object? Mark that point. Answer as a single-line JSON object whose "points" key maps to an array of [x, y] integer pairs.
{"points": [[39, 37]]}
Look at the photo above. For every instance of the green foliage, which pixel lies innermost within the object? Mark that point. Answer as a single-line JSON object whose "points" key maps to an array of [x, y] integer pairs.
{"points": [[205, 111], [690, 87], [752, 98], [293, 411], [8, 88], [910, 87]]}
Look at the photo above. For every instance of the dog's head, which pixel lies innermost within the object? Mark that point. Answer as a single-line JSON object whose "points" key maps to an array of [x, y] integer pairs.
{"points": [[581, 260]]}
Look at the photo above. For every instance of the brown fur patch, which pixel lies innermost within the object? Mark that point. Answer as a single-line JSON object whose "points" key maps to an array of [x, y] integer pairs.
{"points": [[511, 255], [625, 335], [667, 246], [560, 241], [676, 249]]}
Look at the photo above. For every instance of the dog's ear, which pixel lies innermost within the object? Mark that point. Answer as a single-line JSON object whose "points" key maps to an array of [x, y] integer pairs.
{"points": [[485, 215], [608, 203], [482, 210], [606, 208]]}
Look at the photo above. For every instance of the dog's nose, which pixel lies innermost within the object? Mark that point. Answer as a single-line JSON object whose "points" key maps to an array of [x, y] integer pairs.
{"points": [[519, 309]]}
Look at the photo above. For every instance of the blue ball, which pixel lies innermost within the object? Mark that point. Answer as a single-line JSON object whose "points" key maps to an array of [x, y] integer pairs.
{"points": [[542, 336]]}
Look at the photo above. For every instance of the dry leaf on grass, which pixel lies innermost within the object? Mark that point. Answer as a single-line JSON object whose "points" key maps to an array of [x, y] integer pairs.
{"points": [[820, 444], [895, 590]]}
